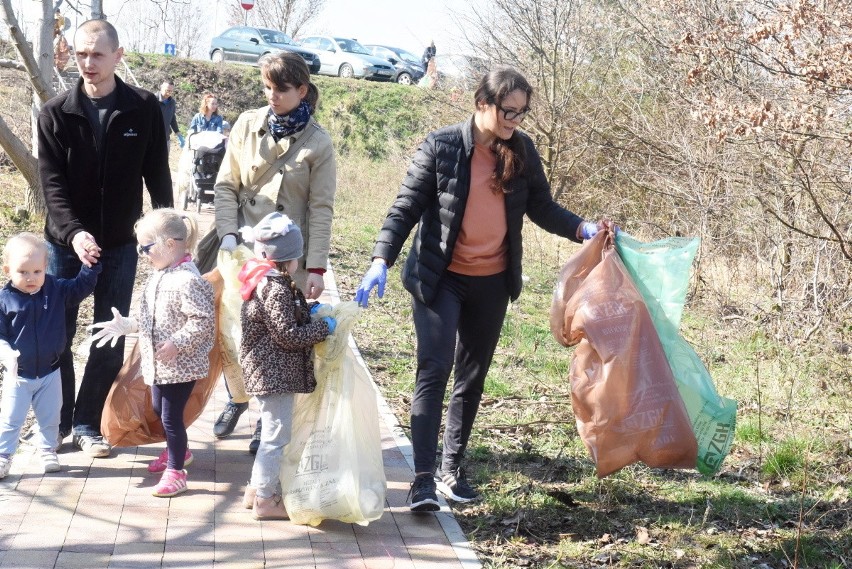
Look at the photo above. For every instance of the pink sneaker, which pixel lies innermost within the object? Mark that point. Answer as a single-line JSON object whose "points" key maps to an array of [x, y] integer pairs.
{"points": [[159, 464], [172, 483]]}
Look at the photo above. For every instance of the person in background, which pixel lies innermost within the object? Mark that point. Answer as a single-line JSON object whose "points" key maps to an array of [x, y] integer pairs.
{"points": [[428, 55], [207, 117], [277, 350], [467, 191], [93, 194], [168, 107], [305, 194], [176, 325], [32, 337]]}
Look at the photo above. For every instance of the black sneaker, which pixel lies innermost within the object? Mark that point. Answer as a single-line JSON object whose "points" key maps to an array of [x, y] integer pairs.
{"points": [[453, 484], [227, 421], [254, 444], [422, 494]]}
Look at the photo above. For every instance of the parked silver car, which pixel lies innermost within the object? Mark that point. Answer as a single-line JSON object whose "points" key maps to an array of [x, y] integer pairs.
{"points": [[346, 57]]}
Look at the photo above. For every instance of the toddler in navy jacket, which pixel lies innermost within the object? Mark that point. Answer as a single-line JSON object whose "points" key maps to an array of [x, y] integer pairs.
{"points": [[32, 336]]}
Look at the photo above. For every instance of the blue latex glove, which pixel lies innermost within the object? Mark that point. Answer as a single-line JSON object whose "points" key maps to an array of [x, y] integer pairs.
{"points": [[332, 323], [377, 274], [588, 230], [316, 307], [181, 140]]}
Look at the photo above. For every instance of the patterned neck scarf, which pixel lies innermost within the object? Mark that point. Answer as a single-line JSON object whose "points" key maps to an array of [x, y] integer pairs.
{"points": [[289, 124], [251, 274]]}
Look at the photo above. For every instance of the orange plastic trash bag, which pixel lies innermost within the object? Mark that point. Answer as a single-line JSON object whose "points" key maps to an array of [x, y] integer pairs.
{"points": [[625, 400], [129, 419]]}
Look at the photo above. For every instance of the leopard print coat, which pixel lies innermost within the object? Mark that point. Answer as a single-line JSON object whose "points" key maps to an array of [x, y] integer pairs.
{"points": [[276, 352], [177, 305]]}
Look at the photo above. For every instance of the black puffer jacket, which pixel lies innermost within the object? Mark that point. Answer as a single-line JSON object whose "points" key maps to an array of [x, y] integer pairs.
{"points": [[434, 193]]}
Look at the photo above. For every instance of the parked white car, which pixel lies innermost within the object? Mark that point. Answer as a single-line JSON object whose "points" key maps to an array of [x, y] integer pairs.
{"points": [[346, 57]]}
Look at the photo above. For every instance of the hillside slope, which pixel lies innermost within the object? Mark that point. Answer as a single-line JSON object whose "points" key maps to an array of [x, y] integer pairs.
{"points": [[365, 118]]}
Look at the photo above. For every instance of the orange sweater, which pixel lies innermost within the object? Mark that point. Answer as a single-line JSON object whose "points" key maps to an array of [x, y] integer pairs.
{"points": [[481, 246]]}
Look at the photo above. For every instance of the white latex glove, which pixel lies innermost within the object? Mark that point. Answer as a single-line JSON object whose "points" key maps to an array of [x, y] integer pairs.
{"points": [[9, 359], [111, 331], [229, 243]]}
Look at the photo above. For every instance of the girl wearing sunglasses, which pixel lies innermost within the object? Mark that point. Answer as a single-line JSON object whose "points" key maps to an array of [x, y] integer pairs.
{"points": [[175, 322]]}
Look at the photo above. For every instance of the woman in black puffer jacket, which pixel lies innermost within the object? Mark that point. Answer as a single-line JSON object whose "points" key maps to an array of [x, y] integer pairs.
{"points": [[468, 187]]}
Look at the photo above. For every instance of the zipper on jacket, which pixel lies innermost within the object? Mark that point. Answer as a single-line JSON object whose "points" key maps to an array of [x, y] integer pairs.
{"points": [[102, 166]]}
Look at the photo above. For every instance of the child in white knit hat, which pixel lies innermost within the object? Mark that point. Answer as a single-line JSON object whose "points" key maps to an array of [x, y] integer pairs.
{"points": [[276, 351]]}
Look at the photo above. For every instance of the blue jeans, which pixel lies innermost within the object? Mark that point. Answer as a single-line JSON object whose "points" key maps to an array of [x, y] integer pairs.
{"points": [[45, 396], [114, 288], [460, 330]]}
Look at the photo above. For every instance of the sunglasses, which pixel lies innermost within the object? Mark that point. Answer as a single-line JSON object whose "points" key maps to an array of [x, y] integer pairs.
{"points": [[146, 249]]}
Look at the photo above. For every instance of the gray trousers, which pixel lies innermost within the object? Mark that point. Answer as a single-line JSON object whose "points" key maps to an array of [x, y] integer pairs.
{"points": [[276, 416]]}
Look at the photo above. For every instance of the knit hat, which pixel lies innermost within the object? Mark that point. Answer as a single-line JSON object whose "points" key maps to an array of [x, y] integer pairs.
{"points": [[276, 238]]}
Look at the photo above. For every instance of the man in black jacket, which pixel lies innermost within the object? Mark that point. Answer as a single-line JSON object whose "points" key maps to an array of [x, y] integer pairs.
{"points": [[97, 142], [168, 106]]}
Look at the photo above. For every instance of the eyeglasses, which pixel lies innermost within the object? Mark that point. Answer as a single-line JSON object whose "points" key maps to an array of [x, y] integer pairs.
{"points": [[145, 249], [511, 115]]}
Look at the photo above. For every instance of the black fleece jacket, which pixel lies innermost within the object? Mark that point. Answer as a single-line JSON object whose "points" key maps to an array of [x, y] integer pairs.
{"points": [[100, 190], [434, 195]]}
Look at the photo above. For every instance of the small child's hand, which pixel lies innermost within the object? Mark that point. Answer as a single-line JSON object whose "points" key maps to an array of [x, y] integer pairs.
{"points": [[332, 323], [166, 352]]}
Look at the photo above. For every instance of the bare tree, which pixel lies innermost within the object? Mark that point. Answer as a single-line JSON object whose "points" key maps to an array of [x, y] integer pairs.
{"points": [[37, 63], [288, 16], [770, 85], [726, 120], [148, 26]]}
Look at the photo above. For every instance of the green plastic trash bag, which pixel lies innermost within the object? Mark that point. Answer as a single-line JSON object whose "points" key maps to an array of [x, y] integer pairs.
{"points": [[660, 271]]}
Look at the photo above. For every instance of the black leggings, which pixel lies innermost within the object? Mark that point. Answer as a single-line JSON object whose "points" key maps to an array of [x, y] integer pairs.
{"points": [[461, 326], [169, 401]]}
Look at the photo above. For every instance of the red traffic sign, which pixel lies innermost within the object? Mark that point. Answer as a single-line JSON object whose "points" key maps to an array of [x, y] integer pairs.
{"points": [[247, 4]]}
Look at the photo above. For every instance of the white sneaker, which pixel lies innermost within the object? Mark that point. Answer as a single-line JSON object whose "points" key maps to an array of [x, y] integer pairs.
{"points": [[5, 466], [50, 462]]}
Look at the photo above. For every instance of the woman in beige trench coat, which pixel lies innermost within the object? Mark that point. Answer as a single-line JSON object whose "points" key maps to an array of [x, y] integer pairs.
{"points": [[302, 187]]}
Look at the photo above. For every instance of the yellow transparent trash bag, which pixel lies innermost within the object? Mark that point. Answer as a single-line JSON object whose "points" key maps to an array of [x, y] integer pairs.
{"points": [[333, 467], [230, 328]]}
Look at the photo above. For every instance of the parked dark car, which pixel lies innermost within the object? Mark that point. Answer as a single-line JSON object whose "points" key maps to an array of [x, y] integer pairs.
{"points": [[345, 57], [407, 66], [245, 44]]}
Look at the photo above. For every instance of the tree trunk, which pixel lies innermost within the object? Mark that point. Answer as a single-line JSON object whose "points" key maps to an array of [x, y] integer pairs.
{"points": [[98, 10], [26, 164], [43, 89]]}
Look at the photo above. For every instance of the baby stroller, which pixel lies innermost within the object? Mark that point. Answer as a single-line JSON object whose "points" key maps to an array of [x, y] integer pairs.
{"points": [[208, 151]]}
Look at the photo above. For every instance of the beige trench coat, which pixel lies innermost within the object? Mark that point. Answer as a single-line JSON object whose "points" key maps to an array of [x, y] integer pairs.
{"points": [[303, 188]]}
